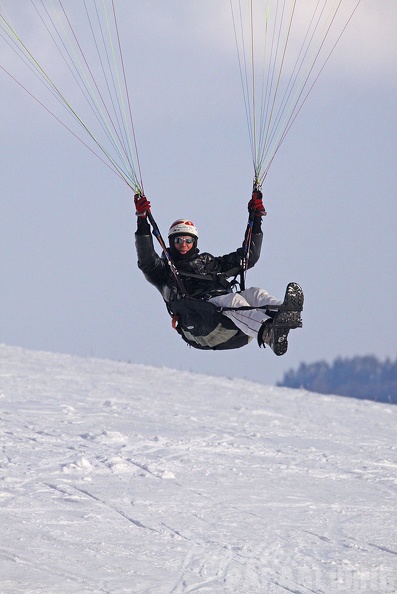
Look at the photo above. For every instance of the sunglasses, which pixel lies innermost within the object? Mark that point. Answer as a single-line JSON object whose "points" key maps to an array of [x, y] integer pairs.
{"points": [[180, 240]]}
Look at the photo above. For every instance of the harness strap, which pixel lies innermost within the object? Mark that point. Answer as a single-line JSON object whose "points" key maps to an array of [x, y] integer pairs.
{"points": [[266, 307], [207, 277], [221, 277]]}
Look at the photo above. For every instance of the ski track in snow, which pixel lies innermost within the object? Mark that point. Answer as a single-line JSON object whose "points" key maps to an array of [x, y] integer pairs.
{"points": [[119, 478]]}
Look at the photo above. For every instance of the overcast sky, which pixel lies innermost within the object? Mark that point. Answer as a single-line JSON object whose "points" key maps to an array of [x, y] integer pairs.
{"points": [[69, 281]]}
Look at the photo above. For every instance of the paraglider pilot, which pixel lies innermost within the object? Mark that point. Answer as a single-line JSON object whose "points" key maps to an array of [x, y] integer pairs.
{"points": [[196, 287]]}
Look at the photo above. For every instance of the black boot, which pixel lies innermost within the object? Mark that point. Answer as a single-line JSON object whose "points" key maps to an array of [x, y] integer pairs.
{"points": [[274, 336], [274, 332]]}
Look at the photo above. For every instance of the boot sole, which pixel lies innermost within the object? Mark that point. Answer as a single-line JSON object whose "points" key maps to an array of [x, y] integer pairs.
{"points": [[289, 317], [280, 341]]}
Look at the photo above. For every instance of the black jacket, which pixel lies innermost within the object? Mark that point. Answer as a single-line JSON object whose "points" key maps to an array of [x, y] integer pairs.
{"points": [[203, 275]]}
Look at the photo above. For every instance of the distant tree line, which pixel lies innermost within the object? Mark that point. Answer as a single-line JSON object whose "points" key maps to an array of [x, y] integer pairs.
{"points": [[360, 377]]}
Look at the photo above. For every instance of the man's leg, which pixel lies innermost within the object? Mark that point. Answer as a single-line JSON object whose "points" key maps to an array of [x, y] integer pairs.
{"points": [[248, 321]]}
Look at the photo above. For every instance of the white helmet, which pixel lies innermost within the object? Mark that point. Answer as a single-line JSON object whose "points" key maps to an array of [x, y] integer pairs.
{"points": [[183, 227]]}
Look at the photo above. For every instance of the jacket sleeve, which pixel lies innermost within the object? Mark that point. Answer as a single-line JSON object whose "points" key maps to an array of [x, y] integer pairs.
{"points": [[152, 266], [256, 247]]}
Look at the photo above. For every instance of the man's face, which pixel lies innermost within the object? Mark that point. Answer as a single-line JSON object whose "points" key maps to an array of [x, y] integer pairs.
{"points": [[183, 243]]}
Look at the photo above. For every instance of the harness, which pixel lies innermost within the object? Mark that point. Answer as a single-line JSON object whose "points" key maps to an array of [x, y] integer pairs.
{"points": [[199, 322]]}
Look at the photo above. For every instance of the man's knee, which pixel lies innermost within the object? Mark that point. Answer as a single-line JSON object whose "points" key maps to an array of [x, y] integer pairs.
{"points": [[255, 295], [230, 300]]}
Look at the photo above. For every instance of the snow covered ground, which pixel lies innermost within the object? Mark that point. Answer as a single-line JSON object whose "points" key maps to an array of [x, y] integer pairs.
{"points": [[119, 478]]}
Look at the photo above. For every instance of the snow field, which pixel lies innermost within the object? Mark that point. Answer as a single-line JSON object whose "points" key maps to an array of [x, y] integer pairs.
{"points": [[122, 478]]}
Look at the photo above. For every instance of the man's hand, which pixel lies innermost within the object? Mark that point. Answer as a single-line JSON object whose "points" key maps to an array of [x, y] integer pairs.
{"points": [[256, 204], [142, 206]]}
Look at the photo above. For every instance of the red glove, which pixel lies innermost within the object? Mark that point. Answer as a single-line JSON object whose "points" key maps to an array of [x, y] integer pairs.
{"points": [[256, 204], [142, 206]]}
